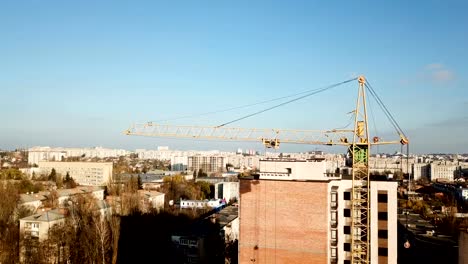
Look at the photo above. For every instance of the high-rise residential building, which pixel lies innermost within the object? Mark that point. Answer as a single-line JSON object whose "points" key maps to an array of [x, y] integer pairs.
{"points": [[84, 173], [206, 163], [296, 212]]}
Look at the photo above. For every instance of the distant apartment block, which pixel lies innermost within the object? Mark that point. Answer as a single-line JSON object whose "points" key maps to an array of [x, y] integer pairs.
{"points": [[84, 173], [166, 154], [445, 172], [179, 163], [421, 170], [241, 161], [296, 212], [37, 154], [206, 163]]}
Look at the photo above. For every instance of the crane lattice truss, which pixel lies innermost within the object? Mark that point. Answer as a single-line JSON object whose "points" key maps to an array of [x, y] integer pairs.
{"points": [[314, 137], [357, 141]]}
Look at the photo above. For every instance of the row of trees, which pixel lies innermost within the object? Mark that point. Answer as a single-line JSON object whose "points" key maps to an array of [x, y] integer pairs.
{"points": [[177, 187], [10, 213], [68, 182], [31, 185]]}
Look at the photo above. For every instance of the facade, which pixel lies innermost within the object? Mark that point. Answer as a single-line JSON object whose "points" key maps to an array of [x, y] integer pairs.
{"points": [[443, 172], [84, 173], [179, 163], [206, 163], [241, 161], [227, 191], [37, 226], [37, 154], [151, 200], [421, 170], [298, 215]]}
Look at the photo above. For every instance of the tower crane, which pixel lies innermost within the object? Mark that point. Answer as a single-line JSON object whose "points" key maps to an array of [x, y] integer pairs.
{"points": [[357, 141]]}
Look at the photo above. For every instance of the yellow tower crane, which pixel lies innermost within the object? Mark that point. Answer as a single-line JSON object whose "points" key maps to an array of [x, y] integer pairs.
{"points": [[357, 140]]}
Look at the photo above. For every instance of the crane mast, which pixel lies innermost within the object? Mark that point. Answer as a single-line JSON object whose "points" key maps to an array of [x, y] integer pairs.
{"points": [[360, 235], [357, 141]]}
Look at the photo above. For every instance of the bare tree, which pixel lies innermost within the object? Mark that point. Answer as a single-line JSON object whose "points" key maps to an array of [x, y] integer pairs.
{"points": [[9, 225]]}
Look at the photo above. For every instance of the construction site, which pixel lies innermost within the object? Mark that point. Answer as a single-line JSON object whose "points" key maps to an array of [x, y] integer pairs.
{"points": [[292, 211]]}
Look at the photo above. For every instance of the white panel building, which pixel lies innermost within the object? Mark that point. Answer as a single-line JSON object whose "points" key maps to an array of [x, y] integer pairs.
{"points": [[37, 154], [443, 172], [84, 173]]}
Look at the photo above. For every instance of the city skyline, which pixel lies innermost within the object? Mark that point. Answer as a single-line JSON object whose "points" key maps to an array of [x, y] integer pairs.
{"points": [[78, 75]]}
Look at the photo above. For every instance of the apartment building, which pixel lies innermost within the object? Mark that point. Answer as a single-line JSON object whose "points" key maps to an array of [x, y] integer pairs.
{"points": [[421, 170], [241, 161], [37, 225], [206, 163], [440, 171], [37, 154], [179, 163], [84, 173], [295, 212]]}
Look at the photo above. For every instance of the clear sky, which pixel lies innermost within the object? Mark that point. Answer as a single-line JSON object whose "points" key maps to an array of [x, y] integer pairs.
{"points": [[78, 73]]}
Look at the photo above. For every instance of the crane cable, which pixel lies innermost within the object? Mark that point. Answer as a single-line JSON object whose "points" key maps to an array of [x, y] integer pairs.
{"points": [[240, 107], [288, 102], [385, 109]]}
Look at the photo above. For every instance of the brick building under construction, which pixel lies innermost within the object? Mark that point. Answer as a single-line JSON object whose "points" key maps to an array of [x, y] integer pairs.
{"points": [[294, 212]]}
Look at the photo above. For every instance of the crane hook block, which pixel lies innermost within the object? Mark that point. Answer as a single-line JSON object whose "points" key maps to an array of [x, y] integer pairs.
{"points": [[404, 140], [271, 143]]}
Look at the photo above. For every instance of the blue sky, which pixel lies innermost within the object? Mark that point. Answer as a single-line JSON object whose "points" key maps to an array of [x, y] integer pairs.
{"points": [[79, 73]]}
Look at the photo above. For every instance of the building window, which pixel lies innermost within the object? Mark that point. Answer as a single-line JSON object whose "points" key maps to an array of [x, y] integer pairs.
{"points": [[383, 233], [347, 247], [347, 261], [383, 251], [383, 216], [347, 212], [347, 230], [382, 197], [347, 196]]}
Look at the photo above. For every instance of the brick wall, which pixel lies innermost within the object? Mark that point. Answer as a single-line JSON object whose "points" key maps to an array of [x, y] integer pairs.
{"points": [[283, 222]]}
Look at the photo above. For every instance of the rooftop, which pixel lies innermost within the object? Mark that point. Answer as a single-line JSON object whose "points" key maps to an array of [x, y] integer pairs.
{"points": [[46, 216]]}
